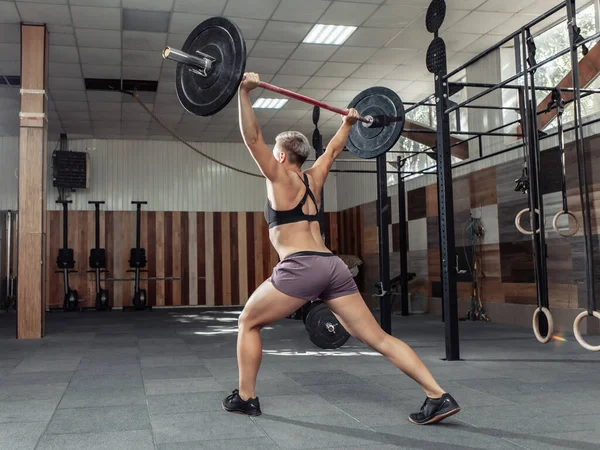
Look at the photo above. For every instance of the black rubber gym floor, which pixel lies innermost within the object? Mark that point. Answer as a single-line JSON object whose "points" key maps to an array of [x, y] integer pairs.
{"points": [[156, 379]]}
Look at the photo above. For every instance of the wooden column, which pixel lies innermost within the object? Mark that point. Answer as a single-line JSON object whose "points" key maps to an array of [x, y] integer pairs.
{"points": [[33, 168]]}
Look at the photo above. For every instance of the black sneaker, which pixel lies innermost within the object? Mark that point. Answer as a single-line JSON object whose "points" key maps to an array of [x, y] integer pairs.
{"points": [[435, 410], [234, 403]]}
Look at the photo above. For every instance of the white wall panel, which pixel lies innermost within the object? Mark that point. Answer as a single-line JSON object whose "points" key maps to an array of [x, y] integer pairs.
{"points": [[171, 177], [9, 163]]}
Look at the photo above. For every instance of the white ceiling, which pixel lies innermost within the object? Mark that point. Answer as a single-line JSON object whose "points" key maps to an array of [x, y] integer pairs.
{"points": [[87, 39]]}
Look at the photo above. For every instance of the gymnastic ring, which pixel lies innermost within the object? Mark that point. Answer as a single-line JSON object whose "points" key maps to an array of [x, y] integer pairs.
{"points": [[518, 222], [577, 333], [555, 223], [536, 328]]}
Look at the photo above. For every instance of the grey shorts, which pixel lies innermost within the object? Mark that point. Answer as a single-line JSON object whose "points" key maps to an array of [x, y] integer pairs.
{"points": [[313, 275]]}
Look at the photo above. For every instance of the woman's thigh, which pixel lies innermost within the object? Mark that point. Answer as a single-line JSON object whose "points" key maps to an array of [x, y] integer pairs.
{"points": [[267, 305], [357, 319]]}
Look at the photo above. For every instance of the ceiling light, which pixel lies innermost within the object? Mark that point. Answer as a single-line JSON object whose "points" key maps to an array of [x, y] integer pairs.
{"points": [[270, 103], [328, 34]]}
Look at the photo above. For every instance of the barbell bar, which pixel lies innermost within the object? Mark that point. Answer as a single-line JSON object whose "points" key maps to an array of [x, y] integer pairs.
{"points": [[210, 68]]}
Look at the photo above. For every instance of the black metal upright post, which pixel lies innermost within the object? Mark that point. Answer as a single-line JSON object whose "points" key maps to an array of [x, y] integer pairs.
{"points": [[403, 231], [584, 191], [535, 197], [385, 300], [446, 219]]}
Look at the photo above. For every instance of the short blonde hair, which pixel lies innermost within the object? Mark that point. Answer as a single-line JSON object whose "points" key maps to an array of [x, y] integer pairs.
{"points": [[295, 145]]}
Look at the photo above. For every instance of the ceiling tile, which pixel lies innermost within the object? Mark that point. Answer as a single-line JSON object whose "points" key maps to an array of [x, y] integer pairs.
{"points": [[342, 13], [455, 42], [323, 83], [394, 85], [101, 71], [143, 40], [10, 33], [294, 67], [168, 118], [304, 11], [416, 72], [251, 28], [69, 96], [63, 54], [464, 4], [10, 67], [184, 23], [105, 107], [210, 7], [480, 22], [290, 81], [314, 52], [511, 6], [392, 56], [176, 40], [75, 84], [339, 95], [166, 87], [140, 73], [251, 9], [336, 69], [318, 94], [166, 100], [415, 36], [40, 13], [98, 38], [100, 56], [374, 72], [103, 3], [353, 54], [65, 70], [286, 31], [59, 29], [482, 43], [271, 49], [395, 16], [371, 37], [104, 97], [9, 13], [146, 97], [153, 5], [263, 65], [515, 22], [140, 58], [62, 39], [356, 84], [97, 18], [62, 107], [10, 52], [453, 16], [106, 115], [152, 21]]}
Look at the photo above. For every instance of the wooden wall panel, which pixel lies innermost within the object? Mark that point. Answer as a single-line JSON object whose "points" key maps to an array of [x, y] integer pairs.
{"points": [[192, 270], [433, 264], [168, 257], [242, 257], [431, 200], [182, 288], [259, 274], [483, 187], [251, 248], [209, 258], [154, 257], [203, 277], [517, 262], [416, 204], [520, 293]]}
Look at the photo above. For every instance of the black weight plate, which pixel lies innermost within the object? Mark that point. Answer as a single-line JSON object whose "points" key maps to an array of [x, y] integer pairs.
{"points": [[317, 140], [436, 56], [436, 13], [324, 329], [223, 40], [366, 142]]}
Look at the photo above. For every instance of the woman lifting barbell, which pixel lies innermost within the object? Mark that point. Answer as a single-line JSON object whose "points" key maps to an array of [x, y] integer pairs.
{"points": [[307, 268]]}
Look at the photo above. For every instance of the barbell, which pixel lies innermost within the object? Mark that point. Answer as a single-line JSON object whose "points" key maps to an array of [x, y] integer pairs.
{"points": [[211, 66]]}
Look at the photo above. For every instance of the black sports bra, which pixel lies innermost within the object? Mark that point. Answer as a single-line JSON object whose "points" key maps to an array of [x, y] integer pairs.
{"points": [[275, 218]]}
